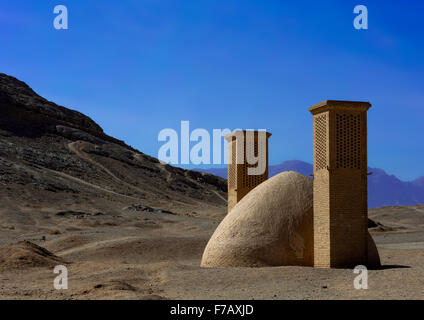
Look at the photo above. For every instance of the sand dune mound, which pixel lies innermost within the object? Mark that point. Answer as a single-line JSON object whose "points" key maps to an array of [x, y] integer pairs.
{"points": [[25, 254], [271, 226], [114, 285]]}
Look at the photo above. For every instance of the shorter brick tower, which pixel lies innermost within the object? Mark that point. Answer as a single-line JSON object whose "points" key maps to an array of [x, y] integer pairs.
{"points": [[242, 146], [340, 183]]}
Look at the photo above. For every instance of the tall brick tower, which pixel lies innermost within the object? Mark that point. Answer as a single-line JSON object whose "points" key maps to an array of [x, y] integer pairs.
{"points": [[340, 183], [240, 147]]}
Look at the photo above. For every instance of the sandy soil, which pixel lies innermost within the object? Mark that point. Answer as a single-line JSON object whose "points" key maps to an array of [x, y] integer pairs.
{"points": [[153, 255]]}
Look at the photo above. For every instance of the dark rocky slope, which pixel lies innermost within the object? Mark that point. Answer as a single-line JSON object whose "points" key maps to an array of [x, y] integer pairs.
{"points": [[51, 152]]}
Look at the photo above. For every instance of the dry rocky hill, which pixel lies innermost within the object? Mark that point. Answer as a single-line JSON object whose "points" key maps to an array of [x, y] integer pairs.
{"points": [[51, 154]]}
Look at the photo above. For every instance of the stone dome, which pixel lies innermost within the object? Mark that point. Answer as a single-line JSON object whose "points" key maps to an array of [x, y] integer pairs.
{"points": [[271, 226]]}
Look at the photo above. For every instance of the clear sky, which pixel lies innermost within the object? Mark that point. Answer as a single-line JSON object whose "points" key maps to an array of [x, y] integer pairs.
{"points": [[137, 67]]}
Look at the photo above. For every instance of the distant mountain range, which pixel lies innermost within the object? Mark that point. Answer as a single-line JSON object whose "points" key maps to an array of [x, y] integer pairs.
{"points": [[383, 189]]}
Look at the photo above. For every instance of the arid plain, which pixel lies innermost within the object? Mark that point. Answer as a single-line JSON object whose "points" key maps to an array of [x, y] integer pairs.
{"points": [[146, 255]]}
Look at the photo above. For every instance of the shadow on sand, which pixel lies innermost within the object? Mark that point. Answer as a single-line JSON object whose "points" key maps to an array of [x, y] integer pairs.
{"points": [[390, 266]]}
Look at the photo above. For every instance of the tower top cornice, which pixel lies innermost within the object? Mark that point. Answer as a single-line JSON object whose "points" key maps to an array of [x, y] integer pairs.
{"points": [[339, 105]]}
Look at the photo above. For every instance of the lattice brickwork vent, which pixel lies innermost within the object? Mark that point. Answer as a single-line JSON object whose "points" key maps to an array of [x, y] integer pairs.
{"points": [[348, 140], [320, 141], [252, 180], [232, 168]]}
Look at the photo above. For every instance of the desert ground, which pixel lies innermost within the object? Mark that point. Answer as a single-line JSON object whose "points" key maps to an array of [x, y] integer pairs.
{"points": [[130, 254]]}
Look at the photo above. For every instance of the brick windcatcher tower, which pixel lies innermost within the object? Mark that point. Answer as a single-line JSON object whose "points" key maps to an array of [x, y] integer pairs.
{"points": [[340, 183], [239, 147]]}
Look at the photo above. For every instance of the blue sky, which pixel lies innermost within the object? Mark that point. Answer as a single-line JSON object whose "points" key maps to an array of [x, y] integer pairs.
{"points": [[137, 67]]}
